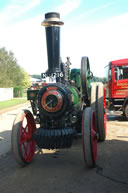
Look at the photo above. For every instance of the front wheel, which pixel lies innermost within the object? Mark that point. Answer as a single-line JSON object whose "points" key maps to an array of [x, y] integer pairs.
{"points": [[89, 137], [22, 144]]}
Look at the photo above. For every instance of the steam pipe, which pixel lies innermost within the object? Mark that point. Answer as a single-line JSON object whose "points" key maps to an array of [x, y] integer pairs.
{"points": [[52, 25]]}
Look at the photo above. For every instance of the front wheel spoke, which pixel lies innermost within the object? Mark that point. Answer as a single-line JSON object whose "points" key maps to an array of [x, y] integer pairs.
{"points": [[22, 140], [30, 150], [24, 129], [25, 150], [28, 126]]}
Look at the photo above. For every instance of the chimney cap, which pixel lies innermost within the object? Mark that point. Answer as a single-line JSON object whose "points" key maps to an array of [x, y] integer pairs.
{"points": [[52, 19]]}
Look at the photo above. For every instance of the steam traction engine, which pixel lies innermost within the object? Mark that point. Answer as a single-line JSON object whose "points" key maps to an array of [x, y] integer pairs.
{"points": [[69, 107]]}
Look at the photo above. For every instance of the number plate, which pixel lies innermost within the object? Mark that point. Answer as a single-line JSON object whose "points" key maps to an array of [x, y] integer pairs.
{"points": [[56, 74]]}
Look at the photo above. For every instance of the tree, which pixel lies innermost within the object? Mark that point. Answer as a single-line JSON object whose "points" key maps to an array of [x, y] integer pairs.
{"points": [[11, 74], [26, 80]]}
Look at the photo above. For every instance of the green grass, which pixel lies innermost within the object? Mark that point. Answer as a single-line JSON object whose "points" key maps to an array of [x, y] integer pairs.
{"points": [[12, 102]]}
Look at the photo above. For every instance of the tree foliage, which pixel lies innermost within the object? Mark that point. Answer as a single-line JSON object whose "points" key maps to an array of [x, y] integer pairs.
{"points": [[11, 74], [26, 80]]}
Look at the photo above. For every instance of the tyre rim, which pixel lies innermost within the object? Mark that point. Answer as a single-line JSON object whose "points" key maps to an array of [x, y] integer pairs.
{"points": [[105, 114], [94, 136], [27, 145]]}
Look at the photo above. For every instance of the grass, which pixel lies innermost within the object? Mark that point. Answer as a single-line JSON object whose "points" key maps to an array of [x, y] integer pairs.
{"points": [[12, 102]]}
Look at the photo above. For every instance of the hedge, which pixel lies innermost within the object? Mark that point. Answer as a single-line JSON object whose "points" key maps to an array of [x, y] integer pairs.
{"points": [[18, 91]]}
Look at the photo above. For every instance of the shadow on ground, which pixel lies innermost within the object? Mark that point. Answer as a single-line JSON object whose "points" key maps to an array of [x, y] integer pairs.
{"points": [[116, 117], [64, 171]]}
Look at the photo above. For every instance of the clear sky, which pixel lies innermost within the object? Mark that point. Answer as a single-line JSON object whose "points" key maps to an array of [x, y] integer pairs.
{"points": [[94, 28]]}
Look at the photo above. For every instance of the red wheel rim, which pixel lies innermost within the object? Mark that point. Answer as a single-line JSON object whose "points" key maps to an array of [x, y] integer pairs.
{"points": [[94, 136], [26, 144], [105, 113]]}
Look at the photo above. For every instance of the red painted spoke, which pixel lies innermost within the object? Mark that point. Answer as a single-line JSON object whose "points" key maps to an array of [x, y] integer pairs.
{"points": [[24, 129], [29, 126], [26, 152], [29, 149], [29, 123], [24, 147], [30, 152], [27, 145], [22, 141], [23, 136], [23, 150]]}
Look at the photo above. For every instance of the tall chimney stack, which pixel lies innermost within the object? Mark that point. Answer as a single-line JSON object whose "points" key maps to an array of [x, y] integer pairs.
{"points": [[52, 25]]}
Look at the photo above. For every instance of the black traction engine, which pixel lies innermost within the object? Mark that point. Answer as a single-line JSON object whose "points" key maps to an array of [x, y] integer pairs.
{"points": [[65, 107]]}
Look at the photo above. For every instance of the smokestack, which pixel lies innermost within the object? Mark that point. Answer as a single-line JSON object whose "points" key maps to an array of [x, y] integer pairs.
{"points": [[52, 25]]}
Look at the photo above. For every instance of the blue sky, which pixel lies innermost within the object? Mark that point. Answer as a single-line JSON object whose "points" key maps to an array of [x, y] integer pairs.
{"points": [[97, 29]]}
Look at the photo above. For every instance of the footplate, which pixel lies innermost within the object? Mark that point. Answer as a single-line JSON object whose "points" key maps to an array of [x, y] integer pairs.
{"points": [[53, 138]]}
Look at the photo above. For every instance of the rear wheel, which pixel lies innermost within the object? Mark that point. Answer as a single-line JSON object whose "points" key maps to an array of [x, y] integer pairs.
{"points": [[101, 112], [89, 137], [85, 76], [23, 146]]}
